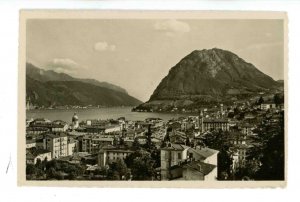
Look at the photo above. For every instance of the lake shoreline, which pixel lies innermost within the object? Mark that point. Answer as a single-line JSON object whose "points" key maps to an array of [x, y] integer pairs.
{"points": [[101, 113]]}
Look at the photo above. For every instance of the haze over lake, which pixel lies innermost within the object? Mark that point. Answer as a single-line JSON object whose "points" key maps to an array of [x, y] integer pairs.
{"points": [[98, 113]]}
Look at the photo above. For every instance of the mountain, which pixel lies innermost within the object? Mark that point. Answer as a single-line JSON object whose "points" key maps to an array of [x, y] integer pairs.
{"points": [[50, 75], [48, 89], [207, 76]]}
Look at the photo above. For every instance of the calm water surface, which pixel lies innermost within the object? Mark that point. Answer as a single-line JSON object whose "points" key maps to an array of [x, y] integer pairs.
{"points": [[98, 113]]}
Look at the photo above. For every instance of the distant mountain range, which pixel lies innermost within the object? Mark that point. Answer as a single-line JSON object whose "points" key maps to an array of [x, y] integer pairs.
{"points": [[49, 88], [50, 75], [206, 76]]}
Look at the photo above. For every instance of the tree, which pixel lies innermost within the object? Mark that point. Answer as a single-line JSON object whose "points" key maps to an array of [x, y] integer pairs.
{"points": [[117, 170], [166, 139], [142, 168], [187, 141], [155, 155], [218, 140], [30, 169], [260, 100], [278, 99], [136, 145], [51, 173], [38, 163], [224, 164], [149, 144], [142, 164], [121, 142], [273, 159], [265, 161]]}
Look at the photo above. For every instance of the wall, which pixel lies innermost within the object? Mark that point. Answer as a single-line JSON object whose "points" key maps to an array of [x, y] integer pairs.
{"points": [[212, 176], [190, 174]]}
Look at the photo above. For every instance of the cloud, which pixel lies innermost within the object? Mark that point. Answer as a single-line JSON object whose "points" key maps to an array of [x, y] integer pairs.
{"points": [[104, 46], [64, 65], [172, 27]]}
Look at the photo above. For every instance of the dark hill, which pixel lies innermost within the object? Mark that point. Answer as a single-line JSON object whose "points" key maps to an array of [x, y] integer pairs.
{"points": [[210, 75], [49, 75], [61, 93], [48, 88]]}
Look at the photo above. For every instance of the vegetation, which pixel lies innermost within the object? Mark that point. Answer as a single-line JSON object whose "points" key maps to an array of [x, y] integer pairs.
{"points": [[219, 140], [142, 165], [266, 160], [61, 93], [54, 169]]}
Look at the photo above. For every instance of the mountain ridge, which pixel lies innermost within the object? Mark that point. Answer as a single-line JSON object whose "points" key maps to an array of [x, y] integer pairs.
{"points": [[210, 75], [50, 75], [46, 88]]}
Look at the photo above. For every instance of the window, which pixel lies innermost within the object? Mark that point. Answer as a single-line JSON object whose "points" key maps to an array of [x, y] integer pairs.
{"points": [[179, 155]]}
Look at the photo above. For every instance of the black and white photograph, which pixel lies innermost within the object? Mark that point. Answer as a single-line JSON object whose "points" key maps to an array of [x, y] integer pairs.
{"points": [[152, 97]]}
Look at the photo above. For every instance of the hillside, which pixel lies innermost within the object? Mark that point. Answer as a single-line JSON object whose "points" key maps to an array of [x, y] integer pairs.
{"points": [[49, 75], [50, 89], [206, 76], [61, 93]]}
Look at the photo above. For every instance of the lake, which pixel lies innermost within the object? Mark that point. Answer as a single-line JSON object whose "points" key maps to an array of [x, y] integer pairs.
{"points": [[99, 113]]}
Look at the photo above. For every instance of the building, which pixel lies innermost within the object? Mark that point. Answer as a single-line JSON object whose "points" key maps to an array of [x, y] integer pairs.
{"points": [[197, 170], [239, 155], [204, 154], [71, 146], [247, 129], [112, 128], [40, 121], [214, 124], [30, 144], [57, 143], [171, 156], [33, 155], [59, 127], [185, 163], [267, 105], [207, 124], [178, 137], [239, 149], [93, 143], [36, 130], [109, 155], [94, 129]]}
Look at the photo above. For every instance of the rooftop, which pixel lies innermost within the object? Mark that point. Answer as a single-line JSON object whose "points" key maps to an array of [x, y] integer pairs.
{"points": [[178, 147], [32, 153], [199, 166], [56, 135], [205, 152]]}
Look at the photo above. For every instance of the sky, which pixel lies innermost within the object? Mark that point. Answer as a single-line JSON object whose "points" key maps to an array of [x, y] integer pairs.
{"points": [[137, 54]]}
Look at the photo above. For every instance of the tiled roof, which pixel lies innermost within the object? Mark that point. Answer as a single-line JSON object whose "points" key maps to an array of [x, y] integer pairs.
{"points": [[178, 147], [35, 152], [56, 135], [205, 152], [199, 166]]}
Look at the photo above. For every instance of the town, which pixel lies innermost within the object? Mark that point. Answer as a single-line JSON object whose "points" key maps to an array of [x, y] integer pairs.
{"points": [[242, 141]]}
